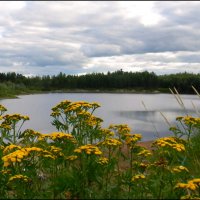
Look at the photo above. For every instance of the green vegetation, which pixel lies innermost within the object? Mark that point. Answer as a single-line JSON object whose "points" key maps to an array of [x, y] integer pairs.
{"points": [[85, 161], [118, 81]]}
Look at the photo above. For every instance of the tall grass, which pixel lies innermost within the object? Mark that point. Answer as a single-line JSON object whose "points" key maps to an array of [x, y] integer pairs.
{"points": [[10, 89], [82, 160]]}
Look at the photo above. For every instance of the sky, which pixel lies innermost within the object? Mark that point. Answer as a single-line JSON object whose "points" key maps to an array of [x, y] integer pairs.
{"points": [[79, 37]]}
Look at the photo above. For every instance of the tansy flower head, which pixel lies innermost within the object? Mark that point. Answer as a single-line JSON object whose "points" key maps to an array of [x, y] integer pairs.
{"points": [[103, 161], [88, 149], [110, 142], [19, 177], [179, 169], [170, 142], [137, 177]]}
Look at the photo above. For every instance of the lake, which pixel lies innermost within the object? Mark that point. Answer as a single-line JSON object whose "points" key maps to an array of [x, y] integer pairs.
{"points": [[128, 109]]}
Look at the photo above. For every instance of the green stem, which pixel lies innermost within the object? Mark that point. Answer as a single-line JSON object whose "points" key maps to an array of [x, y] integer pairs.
{"points": [[20, 128], [131, 172]]}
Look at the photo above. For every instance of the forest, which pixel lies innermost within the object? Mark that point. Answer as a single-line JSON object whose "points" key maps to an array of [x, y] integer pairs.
{"points": [[12, 83]]}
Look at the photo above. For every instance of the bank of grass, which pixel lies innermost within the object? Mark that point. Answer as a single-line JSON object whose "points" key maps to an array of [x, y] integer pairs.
{"points": [[85, 161], [12, 90]]}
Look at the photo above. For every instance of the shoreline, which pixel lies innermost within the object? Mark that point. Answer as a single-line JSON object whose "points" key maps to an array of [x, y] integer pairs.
{"points": [[97, 91]]}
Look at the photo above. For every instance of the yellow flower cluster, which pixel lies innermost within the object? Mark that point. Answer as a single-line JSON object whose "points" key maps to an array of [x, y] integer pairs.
{"points": [[2, 108], [82, 104], [103, 161], [137, 177], [76, 111], [173, 128], [10, 148], [141, 164], [68, 106], [57, 135], [93, 121], [18, 155], [84, 114], [19, 177], [110, 142], [60, 135], [56, 151], [189, 120], [88, 149], [4, 125], [106, 132], [131, 139], [62, 105], [172, 142], [191, 185], [73, 157], [30, 132], [120, 128], [144, 165], [55, 113], [144, 153], [5, 171], [15, 117], [180, 169], [95, 105], [73, 107]]}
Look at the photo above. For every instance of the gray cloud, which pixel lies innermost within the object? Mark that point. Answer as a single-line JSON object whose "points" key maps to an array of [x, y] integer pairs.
{"points": [[79, 37]]}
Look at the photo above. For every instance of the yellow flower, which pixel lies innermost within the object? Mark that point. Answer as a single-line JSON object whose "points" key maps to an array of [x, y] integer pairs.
{"points": [[10, 147], [5, 171], [60, 135], [121, 129], [20, 177], [49, 156], [95, 105], [144, 152], [110, 142], [6, 164], [179, 169], [30, 132], [132, 139], [15, 117], [137, 177], [88, 149], [191, 184], [170, 142], [196, 180], [13, 159], [73, 157], [106, 132], [2, 108], [97, 152], [77, 150], [103, 161]]}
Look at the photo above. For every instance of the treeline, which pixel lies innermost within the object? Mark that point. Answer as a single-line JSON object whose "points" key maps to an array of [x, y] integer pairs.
{"points": [[110, 81]]}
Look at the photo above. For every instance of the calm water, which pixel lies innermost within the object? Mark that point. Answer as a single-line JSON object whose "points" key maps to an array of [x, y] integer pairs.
{"points": [[115, 109]]}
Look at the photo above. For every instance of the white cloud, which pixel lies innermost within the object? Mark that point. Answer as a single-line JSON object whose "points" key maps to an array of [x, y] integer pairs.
{"points": [[144, 10], [39, 37]]}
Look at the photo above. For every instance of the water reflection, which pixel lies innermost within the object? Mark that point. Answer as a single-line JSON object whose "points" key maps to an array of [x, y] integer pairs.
{"points": [[152, 123], [152, 115]]}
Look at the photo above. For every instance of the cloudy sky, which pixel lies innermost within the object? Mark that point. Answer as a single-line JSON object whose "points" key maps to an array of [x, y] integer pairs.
{"points": [[78, 37]]}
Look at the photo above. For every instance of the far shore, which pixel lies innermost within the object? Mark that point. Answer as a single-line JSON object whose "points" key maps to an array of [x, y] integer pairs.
{"points": [[112, 91]]}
